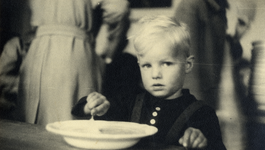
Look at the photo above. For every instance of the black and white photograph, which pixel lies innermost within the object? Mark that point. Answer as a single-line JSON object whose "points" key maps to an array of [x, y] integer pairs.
{"points": [[132, 74]]}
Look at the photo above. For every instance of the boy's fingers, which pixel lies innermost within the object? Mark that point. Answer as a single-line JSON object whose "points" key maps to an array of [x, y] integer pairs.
{"points": [[194, 135], [93, 112], [102, 109], [93, 96], [87, 109], [181, 141], [196, 142], [203, 144], [97, 104], [199, 142], [90, 95], [99, 109], [89, 106], [94, 100], [186, 138], [193, 138]]}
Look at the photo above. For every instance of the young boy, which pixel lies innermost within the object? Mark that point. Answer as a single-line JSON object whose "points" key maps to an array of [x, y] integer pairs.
{"points": [[162, 47]]}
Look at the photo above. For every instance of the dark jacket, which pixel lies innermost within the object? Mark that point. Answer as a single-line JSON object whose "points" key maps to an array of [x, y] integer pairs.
{"points": [[167, 112]]}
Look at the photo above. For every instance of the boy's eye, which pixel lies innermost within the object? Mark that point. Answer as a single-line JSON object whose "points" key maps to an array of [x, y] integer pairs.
{"points": [[166, 64], [146, 66]]}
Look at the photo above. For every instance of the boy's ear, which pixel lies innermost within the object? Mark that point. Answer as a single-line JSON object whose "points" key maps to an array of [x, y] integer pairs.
{"points": [[189, 64], [138, 59]]}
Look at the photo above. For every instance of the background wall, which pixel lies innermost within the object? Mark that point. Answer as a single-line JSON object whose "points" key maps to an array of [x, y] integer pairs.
{"points": [[14, 19]]}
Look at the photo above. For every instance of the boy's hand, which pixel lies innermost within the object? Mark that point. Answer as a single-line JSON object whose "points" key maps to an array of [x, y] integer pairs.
{"points": [[97, 104], [193, 138]]}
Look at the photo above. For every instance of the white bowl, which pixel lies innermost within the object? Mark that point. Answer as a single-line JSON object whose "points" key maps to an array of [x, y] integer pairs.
{"points": [[101, 134]]}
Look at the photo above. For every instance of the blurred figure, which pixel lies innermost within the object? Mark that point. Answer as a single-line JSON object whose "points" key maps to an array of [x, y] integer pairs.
{"points": [[115, 15], [242, 14], [11, 59], [122, 77], [235, 72], [207, 22], [240, 17], [61, 65]]}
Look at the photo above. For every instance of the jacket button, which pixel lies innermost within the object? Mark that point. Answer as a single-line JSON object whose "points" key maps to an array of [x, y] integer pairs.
{"points": [[154, 113], [158, 108], [152, 121]]}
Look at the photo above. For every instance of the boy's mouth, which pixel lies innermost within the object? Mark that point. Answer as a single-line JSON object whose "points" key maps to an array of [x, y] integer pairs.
{"points": [[158, 87]]}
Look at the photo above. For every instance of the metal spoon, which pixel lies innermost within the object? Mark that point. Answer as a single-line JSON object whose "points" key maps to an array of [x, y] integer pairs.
{"points": [[92, 118], [94, 128]]}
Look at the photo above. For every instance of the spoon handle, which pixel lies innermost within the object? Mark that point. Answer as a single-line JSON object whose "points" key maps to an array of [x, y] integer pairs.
{"points": [[92, 118]]}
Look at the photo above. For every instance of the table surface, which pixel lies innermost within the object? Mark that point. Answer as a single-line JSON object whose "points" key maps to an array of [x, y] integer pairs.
{"points": [[25, 136]]}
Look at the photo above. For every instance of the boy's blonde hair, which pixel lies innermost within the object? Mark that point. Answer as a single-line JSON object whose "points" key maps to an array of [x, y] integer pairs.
{"points": [[158, 28]]}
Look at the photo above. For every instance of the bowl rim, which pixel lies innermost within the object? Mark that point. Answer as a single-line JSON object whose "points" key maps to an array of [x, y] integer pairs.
{"points": [[56, 128]]}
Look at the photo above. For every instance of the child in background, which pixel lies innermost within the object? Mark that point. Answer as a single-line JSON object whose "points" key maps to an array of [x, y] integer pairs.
{"points": [[11, 59], [162, 47]]}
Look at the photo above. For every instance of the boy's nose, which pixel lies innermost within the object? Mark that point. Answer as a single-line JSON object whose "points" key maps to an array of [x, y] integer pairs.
{"points": [[156, 73]]}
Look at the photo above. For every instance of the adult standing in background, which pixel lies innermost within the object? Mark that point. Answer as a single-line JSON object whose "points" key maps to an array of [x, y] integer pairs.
{"points": [[61, 65], [207, 22], [240, 18], [13, 54], [242, 108]]}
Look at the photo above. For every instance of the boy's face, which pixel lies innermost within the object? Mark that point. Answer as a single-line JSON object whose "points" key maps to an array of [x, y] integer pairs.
{"points": [[163, 72]]}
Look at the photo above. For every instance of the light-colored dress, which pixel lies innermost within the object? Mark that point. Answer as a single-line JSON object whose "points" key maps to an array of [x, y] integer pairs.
{"points": [[61, 65]]}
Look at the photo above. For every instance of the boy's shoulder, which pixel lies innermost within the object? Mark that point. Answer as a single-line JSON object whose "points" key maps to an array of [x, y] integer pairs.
{"points": [[190, 101], [199, 108], [203, 114]]}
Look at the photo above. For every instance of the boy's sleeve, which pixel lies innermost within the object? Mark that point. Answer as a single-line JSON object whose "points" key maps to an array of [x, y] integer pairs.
{"points": [[78, 109], [119, 110]]}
